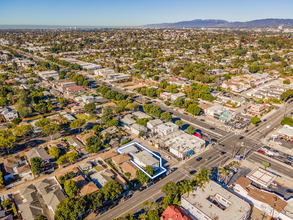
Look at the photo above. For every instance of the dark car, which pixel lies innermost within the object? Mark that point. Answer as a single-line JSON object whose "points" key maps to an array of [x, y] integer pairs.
{"points": [[127, 197], [192, 172], [199, 159], [223, 152], [208, 158], [287, 162], [102, 211], [264, 120], [212, 128], [113, 205], [173, 169], [241, 137], [289, 190], [141, 188], [202, 119], [246, 131]]}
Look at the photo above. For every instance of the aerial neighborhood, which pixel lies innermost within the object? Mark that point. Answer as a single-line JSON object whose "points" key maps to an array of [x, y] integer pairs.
{"points": [[142, 123]]}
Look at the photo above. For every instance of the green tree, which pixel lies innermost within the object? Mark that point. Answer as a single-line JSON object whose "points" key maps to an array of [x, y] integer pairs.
{"points": [[77, 123], [111, 94], [179, 102], [148, 205], [41, 108], [147, 108], [255, 120], [5, 203], [171, 188], [36, 165], [155, 111], [107, 115], [41, 217], [168, 200], [193, 109], [202, 177], [111, 190], [286, 81], [90, 107], [97, 129], [287, 121], [119, 97], [142, 177], [179, 123], [131, 106], [266, 164], [93, 144], [113, 123], [167, 103], [72, 156], [70, 188], [23, 130], [7, 140], [186, 187], [51, 129], [1, 179], [63, 102], [54, 152], [42, 122], [153, 215], [70, 208], [166, 116], [190, 130], [151, 92]]}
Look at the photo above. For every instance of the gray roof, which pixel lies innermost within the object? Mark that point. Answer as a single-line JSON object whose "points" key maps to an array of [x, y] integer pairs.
{"points": [[38, 152], [128, 120], [27, 190], [54, 198], [30, 210]]}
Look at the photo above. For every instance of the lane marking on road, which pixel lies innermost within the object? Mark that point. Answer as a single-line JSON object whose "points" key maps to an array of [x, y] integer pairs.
{"points": [[144, 200]]}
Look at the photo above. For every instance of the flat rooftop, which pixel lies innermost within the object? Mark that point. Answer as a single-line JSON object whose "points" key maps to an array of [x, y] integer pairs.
{"points": [[213, 200], [261, 177]]}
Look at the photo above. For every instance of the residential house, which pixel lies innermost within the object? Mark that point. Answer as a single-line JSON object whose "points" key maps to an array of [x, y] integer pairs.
{"points": [[120, 159], [82, 137], [144, 158], [77, 109], [166, 95], [84, 187], [39, 152], [9, 114], [79, 147], [129, 167], [13, 166], [51, 193], [29, 206], [177, 95]]}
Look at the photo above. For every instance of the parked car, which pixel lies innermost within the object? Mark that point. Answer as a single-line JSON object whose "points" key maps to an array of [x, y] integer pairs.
{"points": [[264, 120], [102, 211], [148, 185], [208, 158], [141, 188], [199, 159], [168, 157], [241, 137], [287, 162], [289, 190], [261, 151], [127, 197], [113, 205], [212, 128], [202, 119]]}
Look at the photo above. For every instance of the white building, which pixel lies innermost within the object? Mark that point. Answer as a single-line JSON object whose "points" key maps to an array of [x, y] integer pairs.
{"points": [[215, 111], [215, 202], [166, 128], [153, 124], [104, 72], [137, 128], [184, 145], [264, 200], [47, 74], [143, 159], [9, 114], [177, 95]]}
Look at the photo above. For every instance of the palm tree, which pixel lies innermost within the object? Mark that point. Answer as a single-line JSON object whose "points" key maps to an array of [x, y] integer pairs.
{"points": [[186, 187], [203, 176]]}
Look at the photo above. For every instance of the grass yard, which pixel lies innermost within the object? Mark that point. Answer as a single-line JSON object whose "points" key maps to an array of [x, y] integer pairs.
{"points": [[82, 116], [99, 168]]}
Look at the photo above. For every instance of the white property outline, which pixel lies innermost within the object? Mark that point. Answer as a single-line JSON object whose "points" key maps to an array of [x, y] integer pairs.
{"points": [[149, 151]]}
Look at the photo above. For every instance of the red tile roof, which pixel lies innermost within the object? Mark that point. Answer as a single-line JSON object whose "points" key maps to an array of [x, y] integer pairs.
{"points": [[175, 213]]}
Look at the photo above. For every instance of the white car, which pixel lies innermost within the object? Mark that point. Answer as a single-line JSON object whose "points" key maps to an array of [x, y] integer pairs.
{"points": [[168, 157], [268, 126]]}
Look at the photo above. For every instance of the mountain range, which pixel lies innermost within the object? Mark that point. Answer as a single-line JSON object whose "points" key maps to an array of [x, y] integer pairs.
{"points": [[199, 23]]}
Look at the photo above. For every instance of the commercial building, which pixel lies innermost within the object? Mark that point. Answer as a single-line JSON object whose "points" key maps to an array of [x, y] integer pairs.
{"points": [[255, 190], [48, 74], [185, 144], [166, 128], [256, 109], [286, 131], [215, 202]]}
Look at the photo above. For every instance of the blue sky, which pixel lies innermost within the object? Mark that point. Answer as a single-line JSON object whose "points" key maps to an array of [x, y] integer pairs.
{"points": [[136, 12]]}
